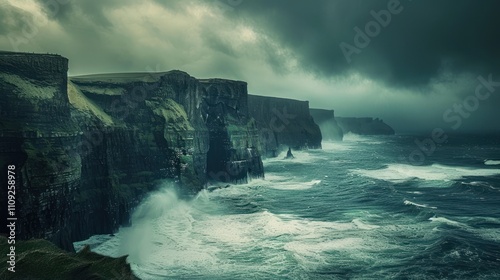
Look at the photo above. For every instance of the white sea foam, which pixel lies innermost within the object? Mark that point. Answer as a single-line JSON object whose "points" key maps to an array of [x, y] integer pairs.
{"points": [[492, 162], [492, 234], [446, 221], [279, 182], [436, 172], [407, 202], [169, 236], [93, 242], [293, 185], [311, 253], [351, 137], [361, 225], [329, 146], [356, 138], [416, 192], [479, 184]]}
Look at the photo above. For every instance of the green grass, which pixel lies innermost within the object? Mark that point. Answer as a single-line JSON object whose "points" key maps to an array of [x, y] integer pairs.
{"points": [[40, 259]]}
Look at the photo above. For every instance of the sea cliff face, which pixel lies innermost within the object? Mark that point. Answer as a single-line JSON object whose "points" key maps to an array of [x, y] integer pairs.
{"points": [[283, 123], [88, 149], [156, 116], [364, 126], [234, 142], [39, 137], [330, 130]]}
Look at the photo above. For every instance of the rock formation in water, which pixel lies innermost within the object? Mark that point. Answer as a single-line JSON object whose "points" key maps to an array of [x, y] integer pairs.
{"points": [[364, 126], [330, 130], [87, 150], [283, 123]]}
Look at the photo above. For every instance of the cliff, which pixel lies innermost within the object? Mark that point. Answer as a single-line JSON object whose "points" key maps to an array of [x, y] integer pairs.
{"points": [[38, 136], [156, 120], [283, 123], [330, 130], [234, 142], [87, 150], [364, 126]]}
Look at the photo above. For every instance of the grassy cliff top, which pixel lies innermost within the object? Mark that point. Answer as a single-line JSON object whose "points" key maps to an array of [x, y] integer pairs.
{"points": [[6, 53], [173, 113], [27, 88], [87, 106], [262, 98], [125, 77], [220, 81]]}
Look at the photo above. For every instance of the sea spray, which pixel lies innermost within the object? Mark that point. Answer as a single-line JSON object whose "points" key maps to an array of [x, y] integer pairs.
{"points": [[137, 240]]}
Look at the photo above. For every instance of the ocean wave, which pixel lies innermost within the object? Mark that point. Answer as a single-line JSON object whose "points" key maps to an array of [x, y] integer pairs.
{"points": [[435, 172], [446, 221], [362, 225], [287, 185], [272, 181], [356, 138], [311, 254], [478, 184], [407, 202], [415, 192], [184, 237], [492, 162], [330, 146]]}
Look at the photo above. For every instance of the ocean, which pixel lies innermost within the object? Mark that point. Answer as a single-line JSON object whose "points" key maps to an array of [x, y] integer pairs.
{"points": [[354, 210]]}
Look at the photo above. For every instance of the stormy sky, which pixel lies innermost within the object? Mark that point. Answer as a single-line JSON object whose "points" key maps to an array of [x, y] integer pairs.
{"points": [[414, 64]]}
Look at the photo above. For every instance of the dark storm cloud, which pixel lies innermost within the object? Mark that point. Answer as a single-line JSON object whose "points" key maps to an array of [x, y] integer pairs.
{"points": [[423, 40], [283, 48], [97, 10]]}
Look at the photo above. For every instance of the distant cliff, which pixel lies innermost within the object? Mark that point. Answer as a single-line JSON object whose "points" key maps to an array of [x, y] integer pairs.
{"points": [[364, 126], [87, 150], [330, 130], [283, 123]]}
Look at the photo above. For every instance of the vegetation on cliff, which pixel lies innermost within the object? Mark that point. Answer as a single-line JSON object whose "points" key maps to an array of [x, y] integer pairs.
{"points": [[40, 259]]}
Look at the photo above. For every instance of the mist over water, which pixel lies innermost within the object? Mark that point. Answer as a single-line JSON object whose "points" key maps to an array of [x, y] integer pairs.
{"points": [[351, 210]]}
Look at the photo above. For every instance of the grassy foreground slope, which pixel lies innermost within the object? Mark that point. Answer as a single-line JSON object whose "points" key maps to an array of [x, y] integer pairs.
{"points": [[40, 259]]}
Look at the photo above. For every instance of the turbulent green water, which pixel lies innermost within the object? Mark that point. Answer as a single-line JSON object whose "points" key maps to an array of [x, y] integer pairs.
{"points": [[354, 210]]}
